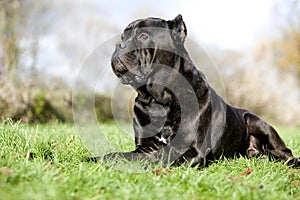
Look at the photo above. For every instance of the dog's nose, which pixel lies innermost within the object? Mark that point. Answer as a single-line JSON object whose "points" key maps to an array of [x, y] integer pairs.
{"points": [[121, 45]]}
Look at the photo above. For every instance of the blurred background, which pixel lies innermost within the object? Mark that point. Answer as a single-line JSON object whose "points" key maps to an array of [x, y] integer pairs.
{"points": [[254, 44]]}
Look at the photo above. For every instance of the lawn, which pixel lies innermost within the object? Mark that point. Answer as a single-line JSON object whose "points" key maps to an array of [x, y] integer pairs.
{"points": [[45, 162]]}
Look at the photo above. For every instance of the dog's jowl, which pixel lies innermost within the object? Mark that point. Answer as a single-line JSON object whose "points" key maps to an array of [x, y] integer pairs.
{"points": [[178, 117]]}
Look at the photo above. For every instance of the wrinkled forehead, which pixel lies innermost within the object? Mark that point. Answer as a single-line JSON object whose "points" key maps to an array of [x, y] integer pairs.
{"points": [[148, 22]]}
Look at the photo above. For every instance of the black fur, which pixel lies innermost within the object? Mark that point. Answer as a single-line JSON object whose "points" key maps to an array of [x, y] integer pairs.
{"points": [[162, 131]]}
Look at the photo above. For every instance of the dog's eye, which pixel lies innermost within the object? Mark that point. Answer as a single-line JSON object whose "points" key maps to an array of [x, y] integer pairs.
{"points": [[143, 37]]}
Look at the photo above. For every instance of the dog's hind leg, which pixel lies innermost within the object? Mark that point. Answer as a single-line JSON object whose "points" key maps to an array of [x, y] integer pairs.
{"points": [[255, 148], [263, 137]]}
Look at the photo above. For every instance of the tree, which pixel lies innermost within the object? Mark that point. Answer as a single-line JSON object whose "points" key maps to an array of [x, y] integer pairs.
{"points": [[9, 37], [287, 47]]}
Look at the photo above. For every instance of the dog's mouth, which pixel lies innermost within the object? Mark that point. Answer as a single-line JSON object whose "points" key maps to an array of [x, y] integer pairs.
{"points": [[130, 68], [122, 63], [122, 66], [118, 67], [127, 74]]}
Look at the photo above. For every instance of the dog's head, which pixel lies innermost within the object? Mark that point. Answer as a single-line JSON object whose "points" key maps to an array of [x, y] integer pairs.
{"points": [[145, 42]]}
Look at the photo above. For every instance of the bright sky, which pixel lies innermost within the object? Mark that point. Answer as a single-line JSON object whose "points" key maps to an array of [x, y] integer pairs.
{"points": [[228, 24]]}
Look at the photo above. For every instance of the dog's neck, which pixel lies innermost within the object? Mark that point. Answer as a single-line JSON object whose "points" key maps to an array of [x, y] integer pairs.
{"points": [[183, 65]]}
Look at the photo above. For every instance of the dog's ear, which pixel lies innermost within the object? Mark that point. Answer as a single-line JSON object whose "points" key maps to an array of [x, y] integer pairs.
{"points": [[178, 27]]}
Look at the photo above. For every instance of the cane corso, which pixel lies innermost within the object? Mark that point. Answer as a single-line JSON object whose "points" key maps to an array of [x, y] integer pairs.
{"points": [[178, 117]]}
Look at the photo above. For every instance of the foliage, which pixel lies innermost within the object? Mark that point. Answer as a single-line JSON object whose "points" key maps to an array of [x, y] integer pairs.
{"points": [[30, 100], [288, 50], [267, 92], [45, 162], [101, 105], [103, 108], [287, 46], [39, 110], [21, 101]]}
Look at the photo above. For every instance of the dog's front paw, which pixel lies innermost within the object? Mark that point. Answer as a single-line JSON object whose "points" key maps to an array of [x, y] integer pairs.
{"points": [[110, 156], [293, 162], [93, 159]]}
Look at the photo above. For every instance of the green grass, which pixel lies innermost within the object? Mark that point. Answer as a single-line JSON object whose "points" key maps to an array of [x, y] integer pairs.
{"points": [[45, 162]]}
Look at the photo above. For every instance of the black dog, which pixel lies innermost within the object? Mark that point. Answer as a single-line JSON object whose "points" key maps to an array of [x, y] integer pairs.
{"points": [[177, 116]]}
